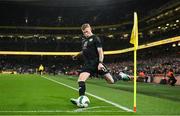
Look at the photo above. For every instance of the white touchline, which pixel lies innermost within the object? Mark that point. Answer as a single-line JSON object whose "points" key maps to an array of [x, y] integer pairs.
{"points": [[50, 111], [97, 97]]}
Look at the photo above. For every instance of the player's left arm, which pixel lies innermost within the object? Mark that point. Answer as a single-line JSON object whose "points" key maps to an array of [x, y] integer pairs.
{"points": [[101, 57], [100, 52]]}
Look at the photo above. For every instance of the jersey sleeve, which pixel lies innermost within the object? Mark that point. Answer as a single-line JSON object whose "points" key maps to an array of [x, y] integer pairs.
{"points": [[98, 42]]}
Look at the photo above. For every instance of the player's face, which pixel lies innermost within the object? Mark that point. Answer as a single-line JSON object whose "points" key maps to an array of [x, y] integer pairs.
{"points": [[87, 32]]}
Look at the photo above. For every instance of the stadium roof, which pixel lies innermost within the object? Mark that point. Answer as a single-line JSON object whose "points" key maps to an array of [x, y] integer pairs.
{"points": [[64, 14], [68, 3], [15, 12], [124, 5]]}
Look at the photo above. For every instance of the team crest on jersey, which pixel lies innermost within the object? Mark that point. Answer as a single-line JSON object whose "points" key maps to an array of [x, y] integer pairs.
{"points": [[90, 40]]}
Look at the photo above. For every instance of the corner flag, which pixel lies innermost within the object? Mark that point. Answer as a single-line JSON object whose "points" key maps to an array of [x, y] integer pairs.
{"points": [[134, 40], [134, 34]]}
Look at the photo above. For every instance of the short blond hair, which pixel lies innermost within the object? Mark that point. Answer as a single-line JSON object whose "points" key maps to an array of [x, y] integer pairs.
{"points": [[84, 26]]}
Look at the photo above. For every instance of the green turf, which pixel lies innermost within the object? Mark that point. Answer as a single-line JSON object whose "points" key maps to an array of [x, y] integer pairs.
{"points": [[32, 94]]}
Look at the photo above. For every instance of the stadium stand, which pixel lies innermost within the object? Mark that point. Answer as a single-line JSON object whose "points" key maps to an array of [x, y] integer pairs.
{"points": [[28, 26]]}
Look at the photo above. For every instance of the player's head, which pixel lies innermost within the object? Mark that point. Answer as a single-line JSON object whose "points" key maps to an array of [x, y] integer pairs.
{"points": [[86, 29]]}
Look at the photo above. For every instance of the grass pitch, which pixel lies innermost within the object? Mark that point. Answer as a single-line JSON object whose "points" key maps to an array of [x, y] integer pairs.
{"points": [[35, 94]]}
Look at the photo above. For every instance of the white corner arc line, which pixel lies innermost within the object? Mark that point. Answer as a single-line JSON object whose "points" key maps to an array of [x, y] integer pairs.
{"points": [[97, 97], [89, 108]]}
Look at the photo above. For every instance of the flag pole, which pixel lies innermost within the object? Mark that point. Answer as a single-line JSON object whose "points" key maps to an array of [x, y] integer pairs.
{"points": [[135, 69], [134, 40]]}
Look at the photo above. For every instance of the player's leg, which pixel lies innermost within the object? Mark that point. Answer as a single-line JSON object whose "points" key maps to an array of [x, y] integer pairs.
{"points": [[82, 85], [111, 79], [108, 77], [81, 82]]}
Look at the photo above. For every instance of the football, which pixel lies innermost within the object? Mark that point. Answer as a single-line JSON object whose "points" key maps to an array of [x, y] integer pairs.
{"points": [[83, 101]]}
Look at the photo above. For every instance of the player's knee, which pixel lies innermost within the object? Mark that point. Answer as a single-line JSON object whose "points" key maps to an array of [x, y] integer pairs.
{"points": [[81, 79], [110, 82], [83, 76], [109, 79]]}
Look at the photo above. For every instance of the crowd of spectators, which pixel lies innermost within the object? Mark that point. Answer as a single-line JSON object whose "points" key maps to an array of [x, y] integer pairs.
{"points": [[153, 65], [156, 65]]}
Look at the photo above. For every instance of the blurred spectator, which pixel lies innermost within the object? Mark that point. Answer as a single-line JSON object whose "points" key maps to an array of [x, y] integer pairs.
{"points": [[172, 80]]}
